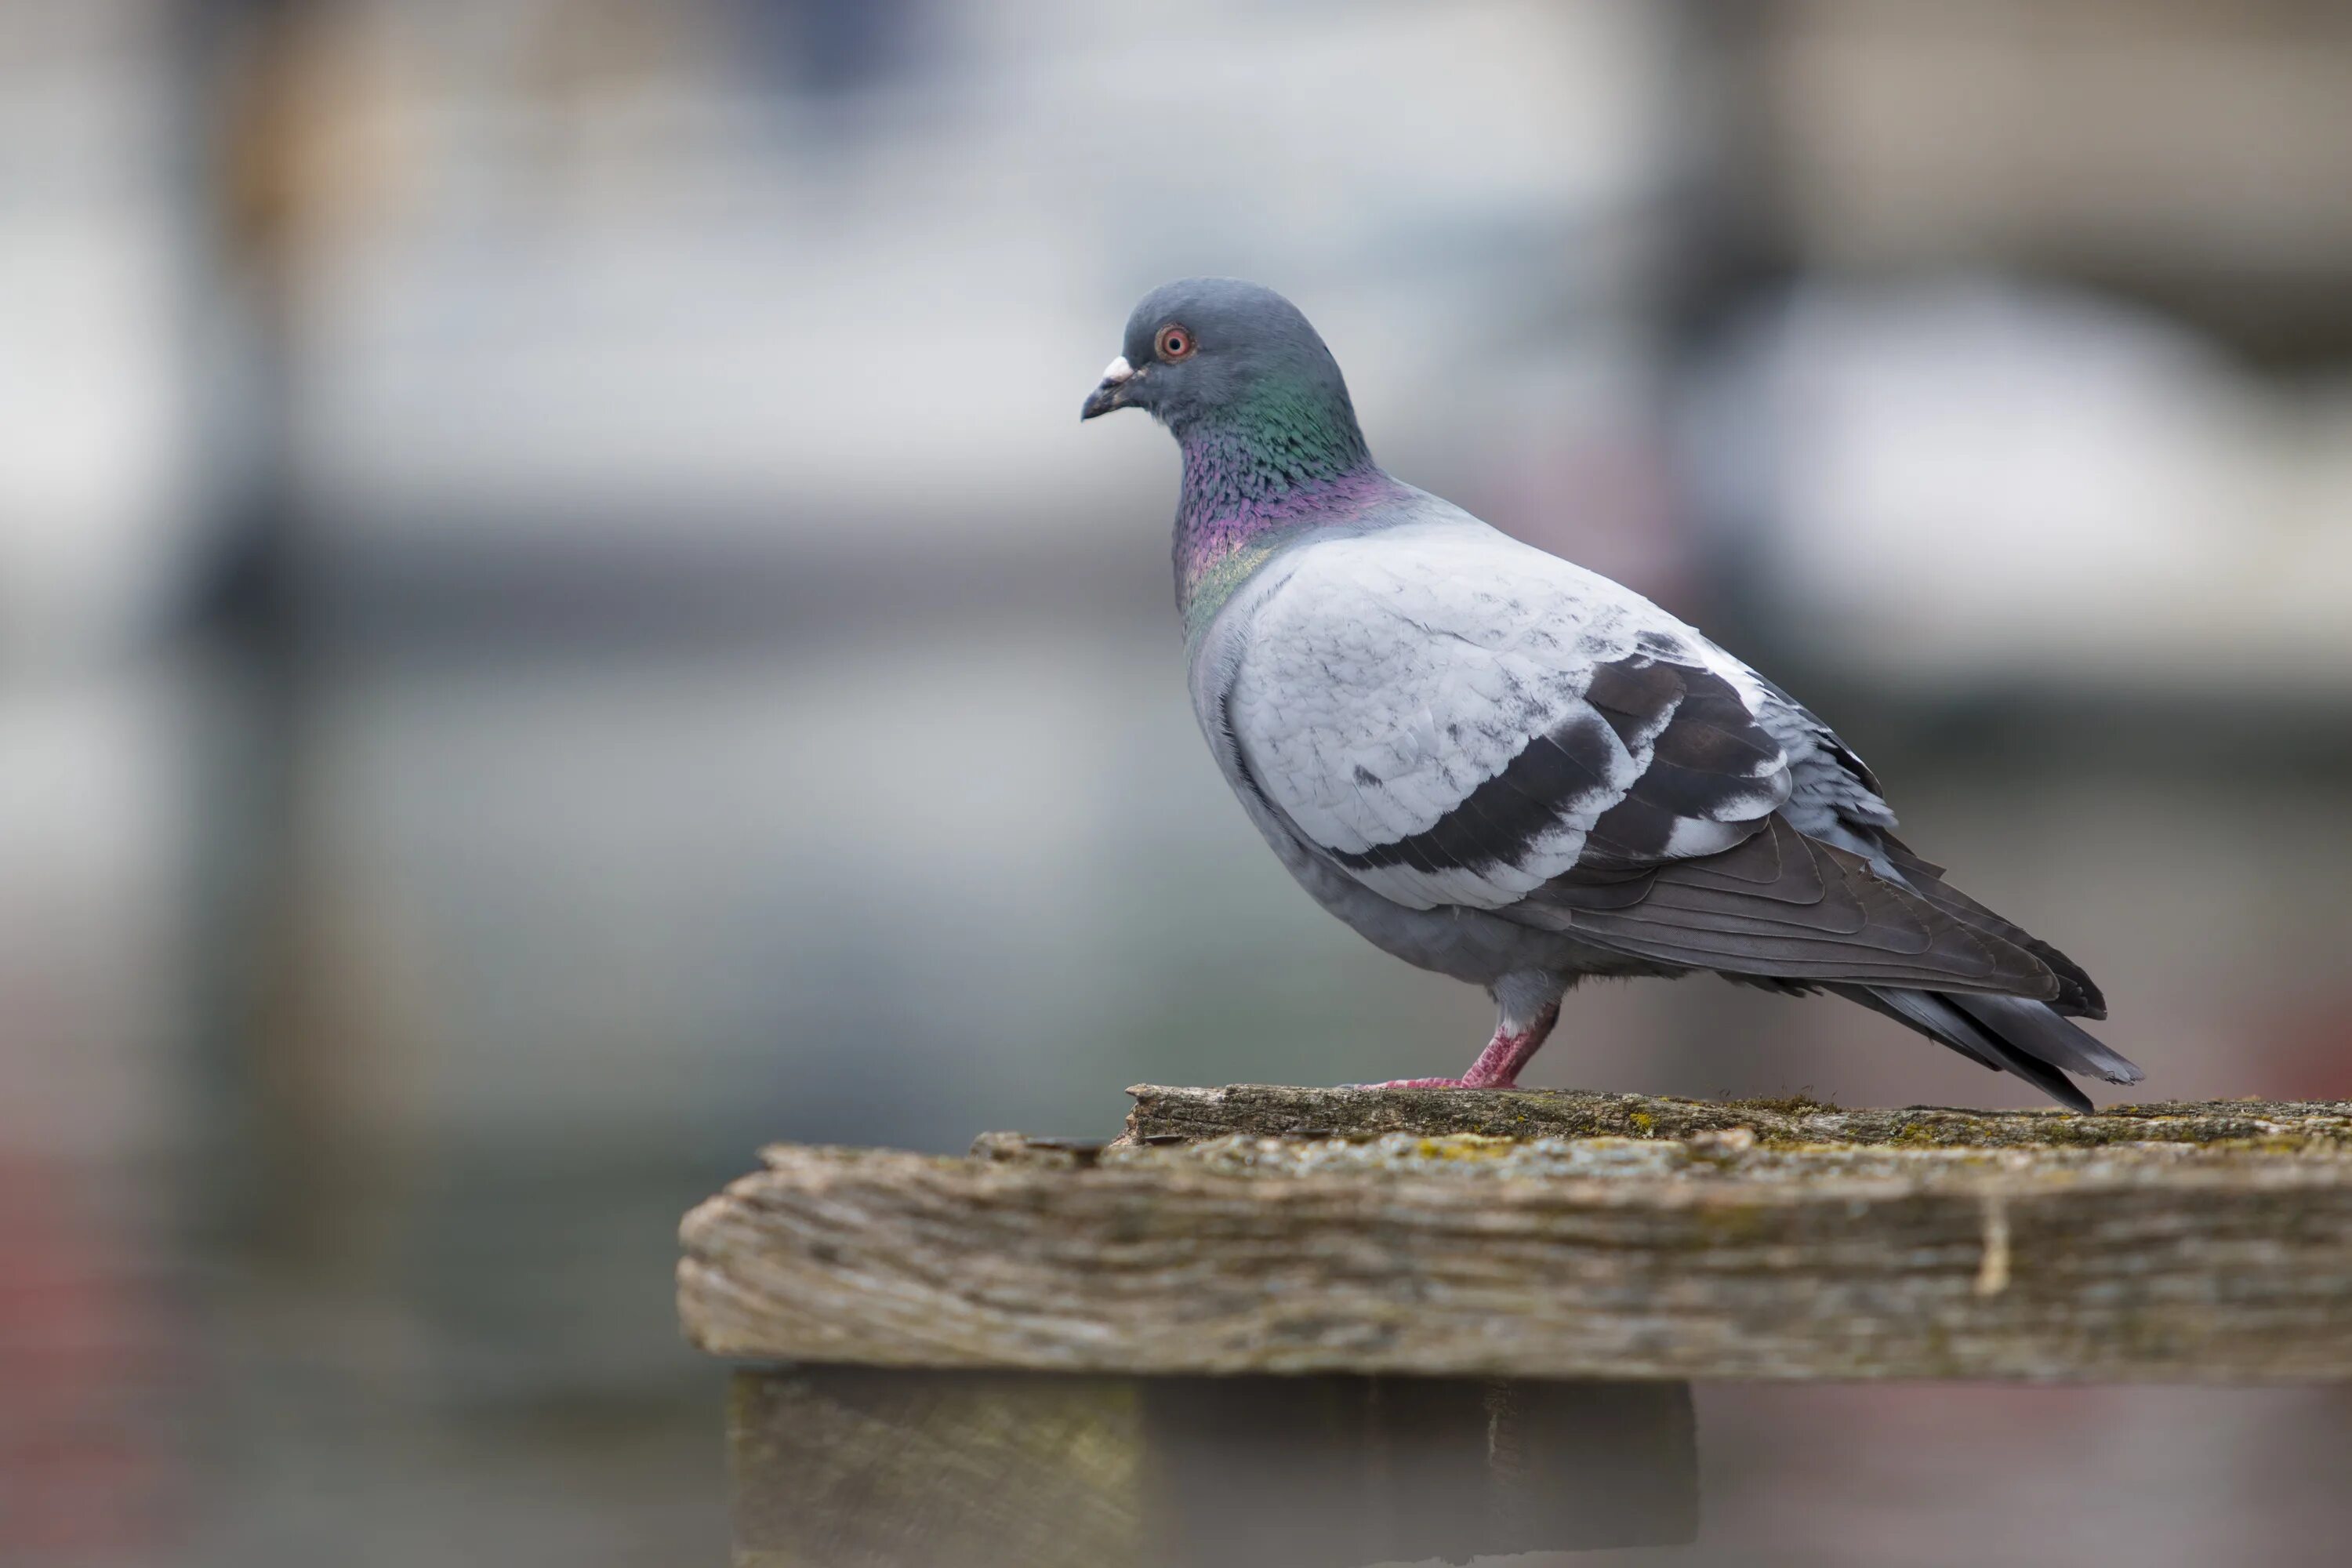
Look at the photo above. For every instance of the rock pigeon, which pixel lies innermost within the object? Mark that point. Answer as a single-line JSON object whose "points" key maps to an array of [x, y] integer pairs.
{"points": [[1498, 765]]}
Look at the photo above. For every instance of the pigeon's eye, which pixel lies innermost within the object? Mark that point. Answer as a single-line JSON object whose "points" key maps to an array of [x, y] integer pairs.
{"points": [[1174, 343]]}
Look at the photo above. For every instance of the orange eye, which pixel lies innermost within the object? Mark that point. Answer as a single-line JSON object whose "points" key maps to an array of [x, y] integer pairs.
{"points": [[1173, 343]]}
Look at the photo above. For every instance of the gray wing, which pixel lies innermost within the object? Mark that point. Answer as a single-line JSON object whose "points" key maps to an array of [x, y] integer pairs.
{"points": [[1837, 798], [1449, 717], [1454, 718]]}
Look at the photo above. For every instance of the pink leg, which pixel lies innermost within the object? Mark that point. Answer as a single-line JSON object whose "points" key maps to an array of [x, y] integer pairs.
{"points": [[1498, 1065]]}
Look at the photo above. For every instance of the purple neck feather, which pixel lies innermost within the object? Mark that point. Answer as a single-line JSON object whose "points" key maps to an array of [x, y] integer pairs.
{"points": [[1274, 466]]}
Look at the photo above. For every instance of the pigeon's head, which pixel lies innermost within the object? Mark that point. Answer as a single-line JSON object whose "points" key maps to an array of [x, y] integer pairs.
{"points": [[1202, 347]]}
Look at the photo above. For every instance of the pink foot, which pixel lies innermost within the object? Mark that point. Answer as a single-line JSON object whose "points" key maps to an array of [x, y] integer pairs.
{"points": [[1498, 1065]]}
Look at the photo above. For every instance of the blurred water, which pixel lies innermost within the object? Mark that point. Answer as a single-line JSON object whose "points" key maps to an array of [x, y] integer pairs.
{"points": [[554, 944]]}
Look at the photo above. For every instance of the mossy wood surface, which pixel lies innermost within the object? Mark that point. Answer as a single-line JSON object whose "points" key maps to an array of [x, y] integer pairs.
{"points": [[1391, 1231], [1276, 1110]]}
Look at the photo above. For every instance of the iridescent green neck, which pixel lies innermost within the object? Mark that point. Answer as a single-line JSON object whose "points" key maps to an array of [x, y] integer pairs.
{"points": [[1287, 458]]}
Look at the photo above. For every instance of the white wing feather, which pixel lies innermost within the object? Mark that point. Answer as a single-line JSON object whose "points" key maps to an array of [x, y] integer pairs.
{"points": [[1391, 674]]}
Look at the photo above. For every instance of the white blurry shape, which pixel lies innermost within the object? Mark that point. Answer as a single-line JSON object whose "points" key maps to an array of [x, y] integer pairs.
{"points": [[671, 298], [1952, 482], [98, 482]]}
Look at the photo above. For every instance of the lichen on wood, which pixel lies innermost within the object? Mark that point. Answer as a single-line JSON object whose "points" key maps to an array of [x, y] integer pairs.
{"points": [[1165, 1114]]}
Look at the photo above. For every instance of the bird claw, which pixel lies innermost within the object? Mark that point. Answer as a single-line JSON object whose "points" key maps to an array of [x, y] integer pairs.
{"points": [[1410, 1083]]}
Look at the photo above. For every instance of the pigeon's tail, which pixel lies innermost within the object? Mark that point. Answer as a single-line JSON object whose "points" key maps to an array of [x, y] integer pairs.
{"points": [[2007, 1033]]}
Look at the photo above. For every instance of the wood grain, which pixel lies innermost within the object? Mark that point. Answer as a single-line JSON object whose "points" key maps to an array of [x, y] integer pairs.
{"points": [[2219, 1248]]}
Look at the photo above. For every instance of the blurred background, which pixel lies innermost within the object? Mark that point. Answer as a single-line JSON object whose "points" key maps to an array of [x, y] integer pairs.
{"points": [[557, 622]]}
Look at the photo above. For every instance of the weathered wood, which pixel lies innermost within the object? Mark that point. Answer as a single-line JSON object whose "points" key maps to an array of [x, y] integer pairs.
{"points": [[2223, 1251], [837, 1466], [1272, 1111]]}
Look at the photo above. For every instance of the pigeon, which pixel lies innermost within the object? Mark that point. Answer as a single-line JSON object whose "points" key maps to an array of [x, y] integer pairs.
{"points": [[1499, 766]]}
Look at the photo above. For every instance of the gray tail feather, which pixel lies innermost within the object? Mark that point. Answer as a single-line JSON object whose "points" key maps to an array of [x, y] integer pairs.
{"points": [[2078, 996], [2036, 1029], [2006, 1033]]}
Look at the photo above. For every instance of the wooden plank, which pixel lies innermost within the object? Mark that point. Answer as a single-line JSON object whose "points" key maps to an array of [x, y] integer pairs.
{"points": [[855, 1464], [2222, 1253]]}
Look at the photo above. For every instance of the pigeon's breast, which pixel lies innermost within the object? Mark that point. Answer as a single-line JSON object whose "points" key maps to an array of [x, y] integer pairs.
{"points": [[1221, 543]]}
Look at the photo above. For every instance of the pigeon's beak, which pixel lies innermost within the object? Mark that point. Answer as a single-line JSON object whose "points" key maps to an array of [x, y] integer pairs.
{"points": [[1113, 391]]}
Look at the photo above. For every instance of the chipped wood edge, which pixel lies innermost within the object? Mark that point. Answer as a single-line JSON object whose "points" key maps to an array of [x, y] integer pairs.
{"points": [[2235, 1265]]}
